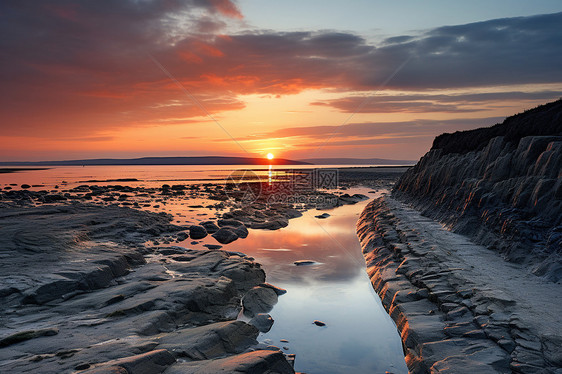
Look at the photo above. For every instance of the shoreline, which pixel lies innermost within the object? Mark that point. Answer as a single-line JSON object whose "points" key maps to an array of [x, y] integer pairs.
{"points": [[458, 307], [15, 170]]}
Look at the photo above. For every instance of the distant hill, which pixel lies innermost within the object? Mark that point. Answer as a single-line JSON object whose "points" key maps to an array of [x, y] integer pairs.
{"points": [[357, 161], [208, 160]]}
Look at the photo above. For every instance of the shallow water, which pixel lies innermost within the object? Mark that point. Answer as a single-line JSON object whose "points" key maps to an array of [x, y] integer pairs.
{"points": [[359, 336]]}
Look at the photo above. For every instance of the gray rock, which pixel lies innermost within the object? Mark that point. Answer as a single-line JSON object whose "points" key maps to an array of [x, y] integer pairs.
{"points": [[259, 300], [212, 246], [229, 223], [305, 262], [271, 224], [210, 341], [262, 322], [263, 361], [210, 226], [153, 362], [322, 216], [551, 348], [182, 236], [279, 291], [225, 235], [197, 232], [21, 336]]}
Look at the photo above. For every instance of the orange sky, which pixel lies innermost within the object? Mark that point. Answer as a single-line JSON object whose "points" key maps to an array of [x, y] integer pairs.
{"points": [[132, 79]]}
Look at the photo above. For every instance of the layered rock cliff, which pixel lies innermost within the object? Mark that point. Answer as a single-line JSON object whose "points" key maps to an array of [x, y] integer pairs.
{"points": [[500, 185]]}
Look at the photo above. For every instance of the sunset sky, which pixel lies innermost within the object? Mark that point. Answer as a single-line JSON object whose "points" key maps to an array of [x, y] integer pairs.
{"points": [[299, 79]]}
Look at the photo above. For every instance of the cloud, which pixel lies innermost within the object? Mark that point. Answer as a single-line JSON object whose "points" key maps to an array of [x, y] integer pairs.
{"points": [[372, 130], [502, 51], [402, 139], [73, 68], [79, 68], [428, 103], [225, 7]]}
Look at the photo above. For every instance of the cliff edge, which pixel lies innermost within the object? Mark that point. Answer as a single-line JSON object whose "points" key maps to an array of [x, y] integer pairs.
{"points": [[501, 186]]}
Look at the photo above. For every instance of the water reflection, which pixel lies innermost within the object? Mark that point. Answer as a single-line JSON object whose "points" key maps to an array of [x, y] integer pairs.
{"points": [[359, 336], [331, 242]]}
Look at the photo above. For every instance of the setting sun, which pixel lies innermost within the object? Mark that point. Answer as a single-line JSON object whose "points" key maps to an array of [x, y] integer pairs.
{"points": [[270, 156]]}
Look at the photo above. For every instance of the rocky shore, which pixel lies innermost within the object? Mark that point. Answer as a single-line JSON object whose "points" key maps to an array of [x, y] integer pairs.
{"points": [[80, 292], [489, 300]]}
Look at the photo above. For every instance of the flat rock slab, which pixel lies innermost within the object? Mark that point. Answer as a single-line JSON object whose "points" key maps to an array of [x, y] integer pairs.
{"points": [[253, 362], [210, 341], [153, 362]]}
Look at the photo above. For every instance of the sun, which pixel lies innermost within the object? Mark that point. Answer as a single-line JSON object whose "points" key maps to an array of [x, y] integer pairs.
{"points": [[270, 156]]}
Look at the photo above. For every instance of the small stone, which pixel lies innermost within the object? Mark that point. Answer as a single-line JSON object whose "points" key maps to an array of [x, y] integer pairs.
{"points": [[305, 262], [212, 246], [82, 367], [322, 216], [319, 323]]}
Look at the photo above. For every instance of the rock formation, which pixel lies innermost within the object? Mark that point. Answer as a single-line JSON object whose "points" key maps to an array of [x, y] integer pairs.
{"points": [[458, 306], [500, 185]]}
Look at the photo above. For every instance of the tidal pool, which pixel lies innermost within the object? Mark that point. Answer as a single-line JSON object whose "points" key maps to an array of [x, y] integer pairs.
{"points": [[359, 336]]}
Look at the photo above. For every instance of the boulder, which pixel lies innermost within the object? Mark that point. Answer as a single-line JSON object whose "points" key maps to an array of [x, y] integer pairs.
{"points": [[262, 321], [197, 232], [259, 300], [210, 226], [210, 341], [225, 235], [153, 362]]}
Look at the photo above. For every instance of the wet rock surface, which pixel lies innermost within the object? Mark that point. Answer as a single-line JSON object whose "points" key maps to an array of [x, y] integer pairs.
{"points": [[81, 291], [459, 307]]}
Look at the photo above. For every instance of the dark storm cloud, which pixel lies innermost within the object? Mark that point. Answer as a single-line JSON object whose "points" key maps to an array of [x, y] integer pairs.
{"points": [[501, 51]]}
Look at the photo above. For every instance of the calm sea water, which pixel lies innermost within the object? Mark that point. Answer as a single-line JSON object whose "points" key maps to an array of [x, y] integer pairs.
{"points": [[147, 175], [359, 336]]}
